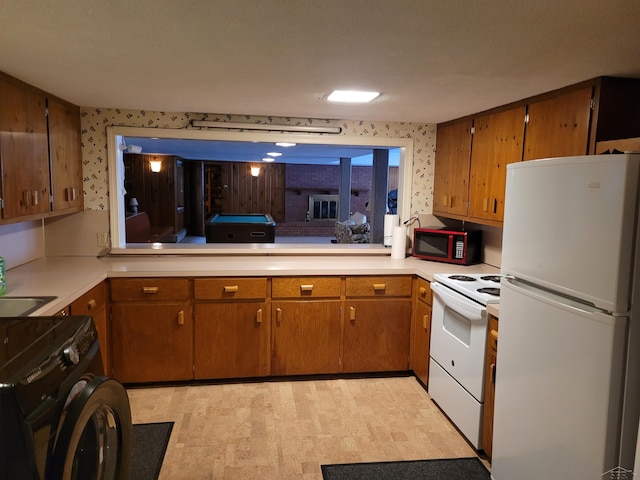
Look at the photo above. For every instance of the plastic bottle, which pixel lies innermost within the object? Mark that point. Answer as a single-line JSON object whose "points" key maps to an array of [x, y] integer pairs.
{"points": [[3, 278]]}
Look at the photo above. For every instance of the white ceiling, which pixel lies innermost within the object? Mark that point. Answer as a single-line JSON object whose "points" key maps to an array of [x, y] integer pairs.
{"points": [[433, 60]]}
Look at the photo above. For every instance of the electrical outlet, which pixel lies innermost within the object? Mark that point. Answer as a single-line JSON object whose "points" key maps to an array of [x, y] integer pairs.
{"points": [[102, 239]]}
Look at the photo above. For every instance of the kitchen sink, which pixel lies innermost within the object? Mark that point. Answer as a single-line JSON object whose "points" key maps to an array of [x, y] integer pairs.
{"points": [[21, 306]]}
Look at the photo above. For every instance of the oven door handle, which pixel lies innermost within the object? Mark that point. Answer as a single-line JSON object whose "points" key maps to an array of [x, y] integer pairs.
{"points": [[461, 304]]}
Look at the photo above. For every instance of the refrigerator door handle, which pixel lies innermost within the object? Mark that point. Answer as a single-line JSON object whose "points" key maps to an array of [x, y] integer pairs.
{"points": [[551, 297]]}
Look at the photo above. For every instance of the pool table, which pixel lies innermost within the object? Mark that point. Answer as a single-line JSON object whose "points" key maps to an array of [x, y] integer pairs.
{"points": [[240, 228]]}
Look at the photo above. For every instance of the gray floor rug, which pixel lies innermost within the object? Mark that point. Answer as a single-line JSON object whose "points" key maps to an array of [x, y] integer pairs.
{"points": [[441, 469], [149, 444]]}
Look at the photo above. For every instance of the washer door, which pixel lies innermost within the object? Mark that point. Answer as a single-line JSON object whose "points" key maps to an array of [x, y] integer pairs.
{"points": [[94, 442]]}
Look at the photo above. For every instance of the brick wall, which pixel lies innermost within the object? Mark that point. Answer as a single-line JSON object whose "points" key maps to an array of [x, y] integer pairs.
{"points": [[304, 180]]}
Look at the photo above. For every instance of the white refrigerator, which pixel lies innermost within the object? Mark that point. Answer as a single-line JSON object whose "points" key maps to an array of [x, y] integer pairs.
{"points": [[567, 402]]}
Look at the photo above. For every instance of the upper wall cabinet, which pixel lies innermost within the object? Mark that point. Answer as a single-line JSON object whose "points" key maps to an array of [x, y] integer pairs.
{"points": [[559, 126], [565, 122], [40, 154], [453, 154], [497, 142], [23, 152], [66, 156]]}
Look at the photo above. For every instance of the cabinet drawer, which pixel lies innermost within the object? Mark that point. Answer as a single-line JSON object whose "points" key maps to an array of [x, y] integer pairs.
{"points": [[229, 288], [90, 301], [423, 290], [305, 287], [149, 289], [384, 286]]}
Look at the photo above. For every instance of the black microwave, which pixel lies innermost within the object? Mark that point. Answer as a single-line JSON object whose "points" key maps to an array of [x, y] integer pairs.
{"points": [[441, 244]]}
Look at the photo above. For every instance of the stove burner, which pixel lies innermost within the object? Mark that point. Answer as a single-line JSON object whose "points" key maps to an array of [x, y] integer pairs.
{"points": [[490, 291], [491, 278], [462, 278]]}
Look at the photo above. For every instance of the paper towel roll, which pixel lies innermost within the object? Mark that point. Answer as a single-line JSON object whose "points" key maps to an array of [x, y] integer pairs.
{"points": [[390, 221], [399, 243]]}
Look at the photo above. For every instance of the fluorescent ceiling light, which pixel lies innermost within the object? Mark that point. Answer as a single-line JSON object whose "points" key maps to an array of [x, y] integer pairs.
{"points": [[268, 159], [285, 144], [352, 96], [274, 154], [264, 126]]}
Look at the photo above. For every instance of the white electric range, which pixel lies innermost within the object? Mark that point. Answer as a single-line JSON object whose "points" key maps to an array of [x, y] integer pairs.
{"points": [[458, 344]]}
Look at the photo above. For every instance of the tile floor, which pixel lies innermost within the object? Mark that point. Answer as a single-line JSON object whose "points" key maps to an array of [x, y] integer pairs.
{"points": [[287, 429]]}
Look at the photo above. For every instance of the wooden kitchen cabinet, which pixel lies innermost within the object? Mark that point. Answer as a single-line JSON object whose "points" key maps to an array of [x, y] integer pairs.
{"points": [[24, 155], [306, 317], [151, 329], [559, 126], [453, 156], [421, 330], [94, 303], [66, 156], [377, 323], [564, 122], [497, 142], [490, 385], [232, 328]]}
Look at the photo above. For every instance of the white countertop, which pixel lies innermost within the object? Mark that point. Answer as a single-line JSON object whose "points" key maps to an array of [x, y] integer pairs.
{"points": [[67, 278]]}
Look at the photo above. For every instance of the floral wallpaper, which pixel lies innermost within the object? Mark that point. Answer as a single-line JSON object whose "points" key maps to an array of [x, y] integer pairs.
{"points": [[94, 145]]}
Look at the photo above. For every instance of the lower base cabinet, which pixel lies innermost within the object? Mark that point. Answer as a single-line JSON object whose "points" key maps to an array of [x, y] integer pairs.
{"points": [[306, 337], [490, 386], [421, 331], [376, 335], [173, 329], [231, 340], [94, 303], [152, 343]]}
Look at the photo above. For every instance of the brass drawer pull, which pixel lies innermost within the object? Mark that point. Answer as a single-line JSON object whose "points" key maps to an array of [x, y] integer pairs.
{"points": [[149, 290], [230, 288], [91, 304], [352, 314], [278, 315], [259, 316], [425, 321], [181, 317], [306, 288], [379, 286], [423, 292]]}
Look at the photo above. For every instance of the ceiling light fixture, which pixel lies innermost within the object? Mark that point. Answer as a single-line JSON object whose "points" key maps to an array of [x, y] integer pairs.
{"points": [[274, 154], [352, 96], [268, 159], [264, 126], [285, 144]]}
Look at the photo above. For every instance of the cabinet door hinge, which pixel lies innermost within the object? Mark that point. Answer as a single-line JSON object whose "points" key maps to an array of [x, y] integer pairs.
{"points": [[1, 202], [46, 112], [593, 103], [526, 118], [473, 130]]}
